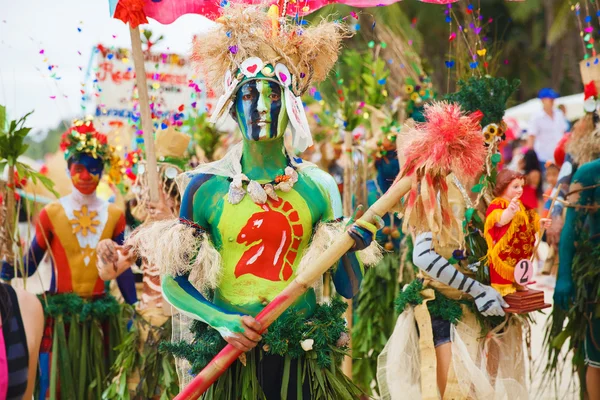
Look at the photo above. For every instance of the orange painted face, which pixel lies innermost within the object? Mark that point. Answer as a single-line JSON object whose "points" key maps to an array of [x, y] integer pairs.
{"points": [[86, 173]]}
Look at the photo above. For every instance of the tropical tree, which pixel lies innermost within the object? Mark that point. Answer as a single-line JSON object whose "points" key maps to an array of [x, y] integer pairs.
{"points": [[537, 41], [12, 146]]}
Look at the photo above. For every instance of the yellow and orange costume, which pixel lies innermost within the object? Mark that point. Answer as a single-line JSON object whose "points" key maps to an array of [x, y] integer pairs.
{"points": [[508, 244]]}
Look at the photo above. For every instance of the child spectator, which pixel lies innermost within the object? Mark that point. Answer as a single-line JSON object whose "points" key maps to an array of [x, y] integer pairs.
{"points": [[532, 191], [550, 180]]}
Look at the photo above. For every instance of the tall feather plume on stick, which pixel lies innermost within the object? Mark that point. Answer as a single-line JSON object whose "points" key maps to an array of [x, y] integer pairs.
{"points": [[449, 141]]}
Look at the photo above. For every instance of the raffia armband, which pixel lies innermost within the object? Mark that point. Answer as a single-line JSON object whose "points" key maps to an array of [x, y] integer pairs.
{"points": [[179, 247]]}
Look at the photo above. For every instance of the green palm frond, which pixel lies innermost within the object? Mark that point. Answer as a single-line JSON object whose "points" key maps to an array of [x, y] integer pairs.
{"points": [[523, 11], [563, 21]]}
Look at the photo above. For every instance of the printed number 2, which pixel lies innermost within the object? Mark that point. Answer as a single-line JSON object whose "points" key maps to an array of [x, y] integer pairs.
{"points": [[524, 266]]}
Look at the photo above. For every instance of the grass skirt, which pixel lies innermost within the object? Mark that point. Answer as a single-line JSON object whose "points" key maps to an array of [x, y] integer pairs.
{"points": [[490, 367], [323, 335], [79, 344], [375, 319], [141, 371]]}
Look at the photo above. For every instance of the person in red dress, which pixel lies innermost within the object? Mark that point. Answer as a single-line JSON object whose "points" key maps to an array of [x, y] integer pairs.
{"points": [[532, 189]]}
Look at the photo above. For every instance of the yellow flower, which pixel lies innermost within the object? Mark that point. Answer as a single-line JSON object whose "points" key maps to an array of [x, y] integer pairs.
{"points": [[490, 132], [414, 96], [409, 89]]}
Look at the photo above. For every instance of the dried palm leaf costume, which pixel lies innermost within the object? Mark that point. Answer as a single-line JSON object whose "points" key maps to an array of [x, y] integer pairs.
{"points": [[375, 322], [450, 301], [149, 372], [252, 220], [83, 323], [583, 146], [575, 319]]}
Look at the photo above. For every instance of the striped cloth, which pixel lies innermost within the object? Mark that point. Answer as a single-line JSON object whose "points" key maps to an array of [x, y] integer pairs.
{"points": [[15, 349]]}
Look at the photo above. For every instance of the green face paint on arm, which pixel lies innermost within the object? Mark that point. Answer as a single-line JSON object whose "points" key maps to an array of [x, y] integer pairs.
{"points": [[182, 295]]}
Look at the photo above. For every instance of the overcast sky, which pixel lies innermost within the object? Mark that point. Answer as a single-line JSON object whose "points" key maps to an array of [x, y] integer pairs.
{"points": [[29, 26]]}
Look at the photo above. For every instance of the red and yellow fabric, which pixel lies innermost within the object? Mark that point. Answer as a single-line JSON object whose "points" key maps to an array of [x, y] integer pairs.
{"points": [[70, 272], [508, 244]]}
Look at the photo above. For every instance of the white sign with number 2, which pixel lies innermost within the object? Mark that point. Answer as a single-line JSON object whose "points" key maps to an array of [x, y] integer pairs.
{"points": [[523, 272]]}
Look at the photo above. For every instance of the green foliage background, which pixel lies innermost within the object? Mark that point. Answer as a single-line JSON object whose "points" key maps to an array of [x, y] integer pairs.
{"points": [[536, 41]]}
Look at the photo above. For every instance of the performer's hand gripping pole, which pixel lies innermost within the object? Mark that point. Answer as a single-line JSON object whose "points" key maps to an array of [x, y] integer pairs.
{"points": [[293, 291]]}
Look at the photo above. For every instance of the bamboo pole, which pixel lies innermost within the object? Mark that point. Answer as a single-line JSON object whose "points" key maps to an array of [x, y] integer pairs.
{"points": [[293, 291], [146, 116], [347, 210], [9, 223], [543, 230]]}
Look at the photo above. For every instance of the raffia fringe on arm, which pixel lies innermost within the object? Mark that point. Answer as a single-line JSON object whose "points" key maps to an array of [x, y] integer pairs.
{"points": [[179, 249], [325, 235]]}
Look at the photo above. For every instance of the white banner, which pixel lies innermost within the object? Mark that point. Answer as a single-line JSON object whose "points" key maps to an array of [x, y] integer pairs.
{"points": [[173, 88]]}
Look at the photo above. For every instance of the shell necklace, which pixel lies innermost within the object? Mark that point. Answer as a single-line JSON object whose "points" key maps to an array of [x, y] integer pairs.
{"points": [[259, 193]]}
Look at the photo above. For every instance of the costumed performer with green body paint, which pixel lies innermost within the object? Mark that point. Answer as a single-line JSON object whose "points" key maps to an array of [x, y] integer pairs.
{"points": [[575, 319], [579, 251], [252, 220]]}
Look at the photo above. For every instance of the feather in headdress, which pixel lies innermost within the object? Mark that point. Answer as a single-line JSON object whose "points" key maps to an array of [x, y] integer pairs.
{"points": [[250, 43], [244, 31], [449, 141]]}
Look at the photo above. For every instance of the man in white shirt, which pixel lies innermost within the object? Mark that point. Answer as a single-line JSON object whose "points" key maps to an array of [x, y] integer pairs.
{"points": [[547, 127]]}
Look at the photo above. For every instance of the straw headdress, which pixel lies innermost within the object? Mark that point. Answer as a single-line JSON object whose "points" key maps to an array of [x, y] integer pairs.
{"points": [[252, 43]]}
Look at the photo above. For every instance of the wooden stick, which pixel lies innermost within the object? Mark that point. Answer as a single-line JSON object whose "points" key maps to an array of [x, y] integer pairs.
{"points": [[293, 291], [146, 116], [543, 230], [347, 210], [9, 223]]}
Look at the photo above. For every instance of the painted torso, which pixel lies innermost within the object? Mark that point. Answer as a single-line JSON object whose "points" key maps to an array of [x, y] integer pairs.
{"points": [[72, 228], [261, 245]]}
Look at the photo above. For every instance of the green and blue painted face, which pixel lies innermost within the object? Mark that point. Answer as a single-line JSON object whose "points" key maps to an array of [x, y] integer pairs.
{"points": [[259, 109]]}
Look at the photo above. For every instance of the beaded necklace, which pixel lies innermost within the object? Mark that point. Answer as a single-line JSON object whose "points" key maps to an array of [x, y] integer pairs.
{"points": [[260, 192]]}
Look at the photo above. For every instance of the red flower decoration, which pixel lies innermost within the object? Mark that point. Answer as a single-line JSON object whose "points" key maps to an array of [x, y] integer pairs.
{"points": [[131, 12], [590, 90], [476, 116], [102, 139], [281, 178], [87, 127]]}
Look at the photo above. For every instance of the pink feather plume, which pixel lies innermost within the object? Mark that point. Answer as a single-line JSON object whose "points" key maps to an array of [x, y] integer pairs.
{"points": [[449, 141]]}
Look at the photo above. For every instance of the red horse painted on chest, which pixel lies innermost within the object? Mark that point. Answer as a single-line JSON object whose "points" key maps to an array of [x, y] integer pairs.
{"points": [[274, 236]]}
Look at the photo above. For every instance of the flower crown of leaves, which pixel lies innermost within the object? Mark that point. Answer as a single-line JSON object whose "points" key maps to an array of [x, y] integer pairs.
{"points": [[82, 138]]}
